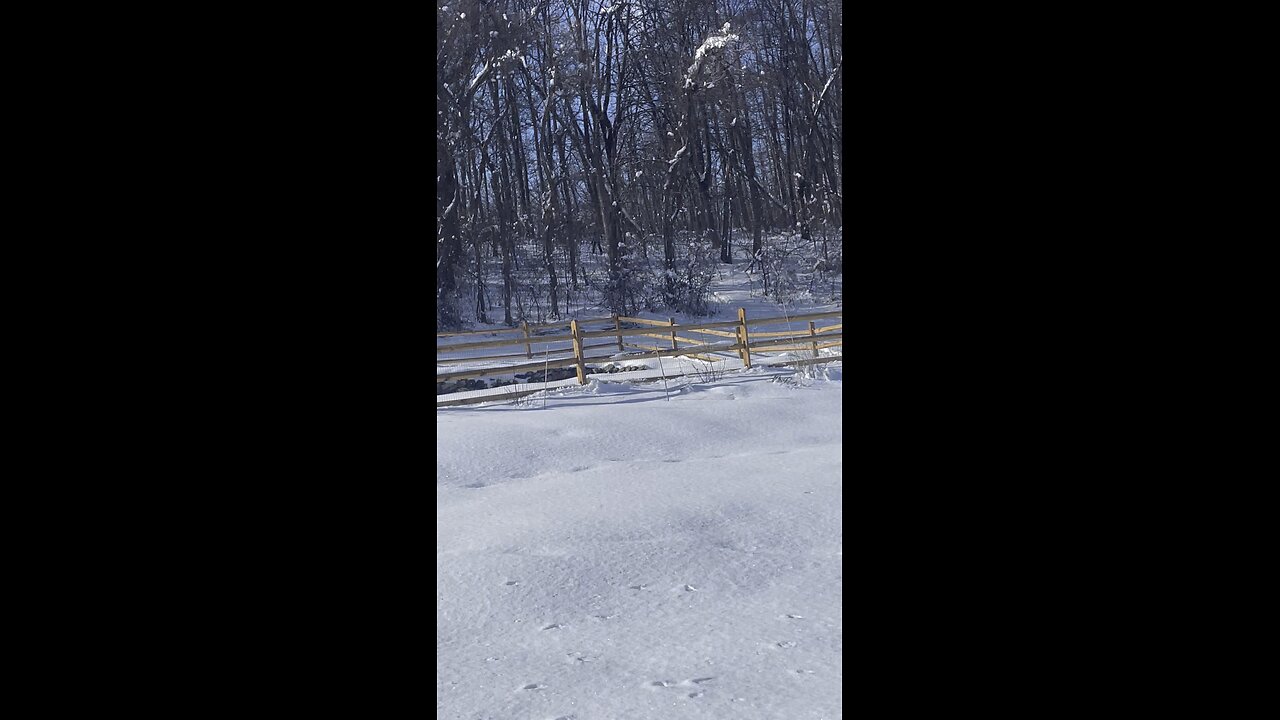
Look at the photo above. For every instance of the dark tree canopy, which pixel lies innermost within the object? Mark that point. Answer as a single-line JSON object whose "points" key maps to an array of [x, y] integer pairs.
{"points": [[612, 152]]}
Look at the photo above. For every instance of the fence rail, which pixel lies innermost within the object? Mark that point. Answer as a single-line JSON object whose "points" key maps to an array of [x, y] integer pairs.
{"points": [[810, 338]]}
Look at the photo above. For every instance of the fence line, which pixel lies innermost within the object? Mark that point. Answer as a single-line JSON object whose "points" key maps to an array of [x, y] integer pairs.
{"points": [[808, 339], [517, 328]]}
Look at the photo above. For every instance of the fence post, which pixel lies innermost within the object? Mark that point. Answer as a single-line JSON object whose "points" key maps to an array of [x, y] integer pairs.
{"points": [[618, 327], [674, 345], [528, 350], [577, 351], [815, 342], [745, 352]]}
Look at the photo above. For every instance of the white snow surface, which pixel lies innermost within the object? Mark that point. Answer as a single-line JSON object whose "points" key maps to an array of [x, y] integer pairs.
{"points": [[617, 555]]}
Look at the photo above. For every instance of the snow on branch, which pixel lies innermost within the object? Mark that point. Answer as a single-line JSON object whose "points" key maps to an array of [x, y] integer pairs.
{"points": [[683, 149], [480, 78], [711, 45], [817, 106]]}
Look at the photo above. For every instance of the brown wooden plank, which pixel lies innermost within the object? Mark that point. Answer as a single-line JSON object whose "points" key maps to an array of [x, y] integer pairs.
{"points": [[643, 321], [597, 346], [784, 341], [499, 343], [646, 347], [793, 318], [717, 333], [459, 361], [798, 334], [784, 348]]}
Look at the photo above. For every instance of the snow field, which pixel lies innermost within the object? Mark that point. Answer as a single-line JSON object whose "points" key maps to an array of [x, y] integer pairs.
{"points": [[618, 555]]}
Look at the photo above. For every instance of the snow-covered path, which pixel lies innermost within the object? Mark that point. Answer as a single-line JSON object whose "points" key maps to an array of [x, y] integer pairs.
{"points": [[617, 555]]}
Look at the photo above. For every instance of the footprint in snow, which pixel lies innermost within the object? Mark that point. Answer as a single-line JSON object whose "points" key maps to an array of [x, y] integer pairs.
{"points": [[796, 617], [578, 468], [699, 681], [511, 582], [639, 587], [787, 644], [697, 694], [533, 686], [553, 626], [663, 683], [804, 672], [690, 588]]}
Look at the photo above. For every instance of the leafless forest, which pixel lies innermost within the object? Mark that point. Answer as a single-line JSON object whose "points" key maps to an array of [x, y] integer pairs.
{"points": [[612, 153]]}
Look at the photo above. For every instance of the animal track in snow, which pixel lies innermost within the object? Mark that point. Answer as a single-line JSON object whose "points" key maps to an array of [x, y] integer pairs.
{"points": [[696, 694], [476, 485], [511, 582], [690, 588], [639, 587], [804, 672], [675, 460], [695, 681], [786, 644], [553, 626], [795, 617], [533, 686], [604, 617]]}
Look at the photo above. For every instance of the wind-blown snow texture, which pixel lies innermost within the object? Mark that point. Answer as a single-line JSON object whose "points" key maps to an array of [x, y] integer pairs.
{"points": [[616, 555]]}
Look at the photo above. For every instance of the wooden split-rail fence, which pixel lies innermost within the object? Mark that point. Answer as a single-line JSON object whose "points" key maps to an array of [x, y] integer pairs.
{"points": [[725, 336]]}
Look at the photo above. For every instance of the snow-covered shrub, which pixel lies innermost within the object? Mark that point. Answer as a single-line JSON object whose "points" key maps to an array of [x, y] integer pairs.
{"points": [[695, 275], [685, 287]]}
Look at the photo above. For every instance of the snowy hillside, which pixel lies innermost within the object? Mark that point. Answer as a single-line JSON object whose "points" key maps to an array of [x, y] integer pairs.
{"points": [[617, 555]]}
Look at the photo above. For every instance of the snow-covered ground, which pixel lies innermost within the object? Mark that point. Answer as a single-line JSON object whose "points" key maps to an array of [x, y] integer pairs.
{"points": [[633, 551]]}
